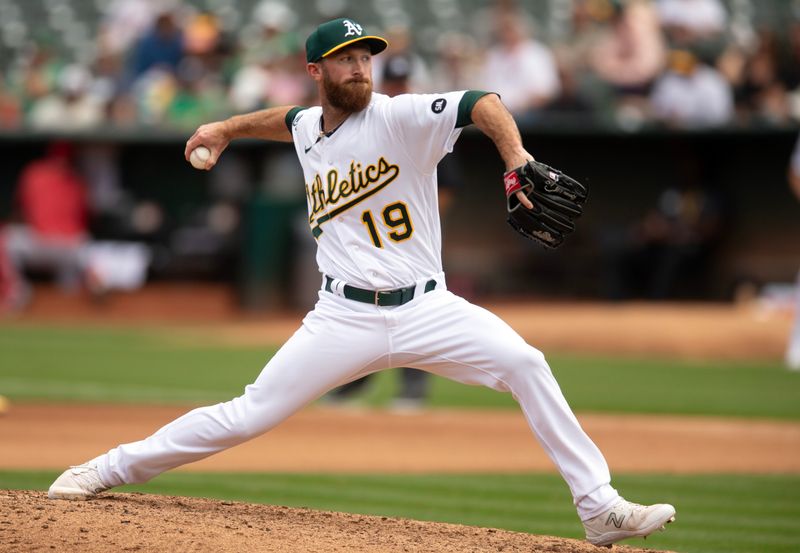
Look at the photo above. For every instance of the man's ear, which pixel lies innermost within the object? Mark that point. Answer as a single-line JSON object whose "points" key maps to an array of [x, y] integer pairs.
{"points": [[314, 70]]}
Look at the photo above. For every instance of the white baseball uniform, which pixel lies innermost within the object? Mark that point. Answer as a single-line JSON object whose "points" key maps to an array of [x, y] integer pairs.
{"points": [[372, 206]]}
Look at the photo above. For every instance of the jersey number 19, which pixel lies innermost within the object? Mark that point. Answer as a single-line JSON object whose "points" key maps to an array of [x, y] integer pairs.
{"points": [[395, 216]]}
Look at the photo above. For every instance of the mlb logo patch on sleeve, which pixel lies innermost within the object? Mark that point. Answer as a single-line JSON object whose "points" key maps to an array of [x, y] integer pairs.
{"points": [[438, 105]]}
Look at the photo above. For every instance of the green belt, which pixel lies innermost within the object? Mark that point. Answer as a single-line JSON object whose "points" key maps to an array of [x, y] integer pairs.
{"points": [[382, 298]]}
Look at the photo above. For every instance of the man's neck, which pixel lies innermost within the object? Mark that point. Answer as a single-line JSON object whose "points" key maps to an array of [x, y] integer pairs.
{"points": [[332, 117]]}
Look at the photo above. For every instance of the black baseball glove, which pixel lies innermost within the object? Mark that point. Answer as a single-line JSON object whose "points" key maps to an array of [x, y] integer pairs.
{"points": [[557, 201]]}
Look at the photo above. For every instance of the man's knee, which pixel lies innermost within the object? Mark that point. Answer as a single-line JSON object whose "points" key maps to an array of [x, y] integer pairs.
{"points": [[257, 412], [526, 363]]}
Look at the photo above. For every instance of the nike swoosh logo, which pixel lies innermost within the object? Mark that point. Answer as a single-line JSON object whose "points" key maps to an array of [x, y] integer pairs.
{"points": [[309, 148]]}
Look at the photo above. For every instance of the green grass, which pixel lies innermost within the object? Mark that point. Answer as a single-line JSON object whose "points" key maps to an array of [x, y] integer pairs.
{"points": [[124, 365], [120, 365], [716, 514]]}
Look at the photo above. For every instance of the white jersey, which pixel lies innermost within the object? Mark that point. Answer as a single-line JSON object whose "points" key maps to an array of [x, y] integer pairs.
{"points": [[372, 190]]}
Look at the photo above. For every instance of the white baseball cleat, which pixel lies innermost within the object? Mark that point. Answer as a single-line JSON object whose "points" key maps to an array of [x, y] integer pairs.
{"points": [[627, 520], [78, 483]]}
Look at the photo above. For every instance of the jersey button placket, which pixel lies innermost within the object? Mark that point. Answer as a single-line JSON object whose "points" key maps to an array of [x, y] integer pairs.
{"points": [[323, 152]]}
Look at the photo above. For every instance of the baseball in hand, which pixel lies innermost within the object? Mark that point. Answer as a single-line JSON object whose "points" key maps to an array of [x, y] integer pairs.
{"points": [[199, 157]]}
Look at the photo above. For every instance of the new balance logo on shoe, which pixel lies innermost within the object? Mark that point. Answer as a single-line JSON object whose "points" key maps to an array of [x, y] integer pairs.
{"points": [[612, 519]]}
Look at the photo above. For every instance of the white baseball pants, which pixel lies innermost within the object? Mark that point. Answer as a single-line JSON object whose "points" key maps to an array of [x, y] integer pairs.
{"points": [[341, 340]]}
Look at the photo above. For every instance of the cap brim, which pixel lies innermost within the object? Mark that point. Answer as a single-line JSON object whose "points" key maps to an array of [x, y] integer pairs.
{"points": [[376, 45]]}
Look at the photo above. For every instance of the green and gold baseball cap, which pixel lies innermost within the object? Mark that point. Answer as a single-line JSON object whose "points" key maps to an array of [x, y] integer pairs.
{"points": [[335, 35]]}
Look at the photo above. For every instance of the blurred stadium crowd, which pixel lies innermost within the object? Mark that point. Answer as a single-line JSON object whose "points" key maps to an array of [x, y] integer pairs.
{"points": [[95, 212], [72, 65]]}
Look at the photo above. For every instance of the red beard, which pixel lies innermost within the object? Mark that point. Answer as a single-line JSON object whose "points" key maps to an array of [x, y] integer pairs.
{"points": [[351, 96]]}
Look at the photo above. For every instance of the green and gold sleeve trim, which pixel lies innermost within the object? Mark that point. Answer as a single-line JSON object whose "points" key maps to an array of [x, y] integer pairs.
{"points": [[468, 101], [291, 114]]}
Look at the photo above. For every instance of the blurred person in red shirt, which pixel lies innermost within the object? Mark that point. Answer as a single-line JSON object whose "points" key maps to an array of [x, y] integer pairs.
{"points": [[52, 231], [52, 196]]}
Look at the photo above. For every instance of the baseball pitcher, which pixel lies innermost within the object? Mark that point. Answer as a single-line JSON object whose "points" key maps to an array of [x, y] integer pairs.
{"points": [[369, 163]]}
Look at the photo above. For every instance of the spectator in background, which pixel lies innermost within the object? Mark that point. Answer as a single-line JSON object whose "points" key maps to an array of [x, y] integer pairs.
{"points": [[40, 70], [688, 21], [790, 63], [99, 164], [199, 96], [696, 25], [571, 104], [456, 66], [760, 94], [269, 74], [53, 227], [202, 35], [160, 47], [590, 20], [288, 81], [276, 37], [72, 107], [152, 95], [400, 44], [793, 347], [629, 56], [691, 94], [583, 92], [109, 88], [632, 53], [396, 75], [123, 24], [520, 69], [10, 108], [248, 91]]}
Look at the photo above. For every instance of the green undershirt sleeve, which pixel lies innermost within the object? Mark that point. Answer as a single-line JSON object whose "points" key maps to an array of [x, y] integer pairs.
{"points": [[291, 114], [466, 104]]}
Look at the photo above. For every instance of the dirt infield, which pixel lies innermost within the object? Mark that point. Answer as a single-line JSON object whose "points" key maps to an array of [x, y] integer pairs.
{"points": [[369, 441], [135, 522]]}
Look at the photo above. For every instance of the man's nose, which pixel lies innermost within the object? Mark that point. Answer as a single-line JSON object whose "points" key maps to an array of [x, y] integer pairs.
{"points": [[360, 68]]}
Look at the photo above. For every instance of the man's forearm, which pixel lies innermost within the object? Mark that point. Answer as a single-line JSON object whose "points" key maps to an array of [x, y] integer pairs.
{"points": [[492, 117], [266, 124]]}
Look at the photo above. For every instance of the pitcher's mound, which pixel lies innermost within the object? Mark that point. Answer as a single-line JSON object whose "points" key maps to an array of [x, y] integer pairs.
{"points": [[138, 522]]}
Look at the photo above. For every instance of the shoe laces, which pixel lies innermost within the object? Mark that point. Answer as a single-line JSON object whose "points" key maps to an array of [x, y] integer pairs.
{"points": [[635, 509], [88, 474]]}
